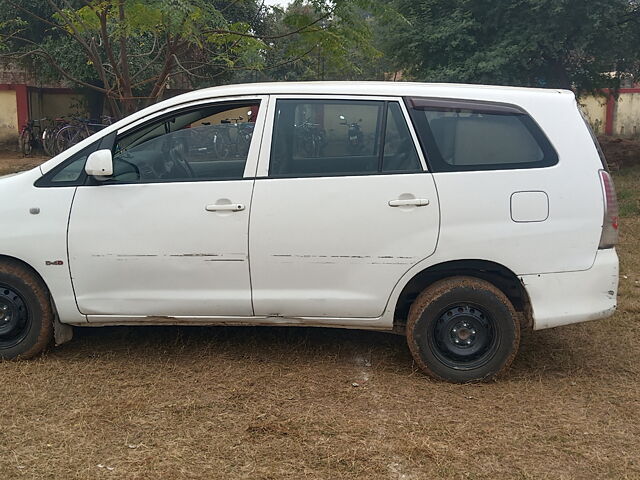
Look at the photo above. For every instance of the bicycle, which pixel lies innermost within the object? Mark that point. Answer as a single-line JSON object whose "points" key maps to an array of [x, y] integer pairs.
{"points": [[78, 130], [49, 136], [311, 138], [28, 139], [223, 143]]}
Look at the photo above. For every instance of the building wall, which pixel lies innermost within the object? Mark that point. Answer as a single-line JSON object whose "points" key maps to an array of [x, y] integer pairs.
{"points": [[595, 108], [45, 104], [20, 103], [609, 115], [9, 128], [14, 74], [626, 121]]}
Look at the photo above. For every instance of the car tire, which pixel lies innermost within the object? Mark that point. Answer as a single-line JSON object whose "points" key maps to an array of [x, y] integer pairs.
{"points": [[462, 330], [26, 314]]}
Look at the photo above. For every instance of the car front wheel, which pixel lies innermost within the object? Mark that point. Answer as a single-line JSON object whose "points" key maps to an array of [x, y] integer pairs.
{"points": [[26, 315], [463, 329]]}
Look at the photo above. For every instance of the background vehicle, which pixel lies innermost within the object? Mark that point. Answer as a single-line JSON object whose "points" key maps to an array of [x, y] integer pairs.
{"points": [[311, 138], [354, 134], [468, 215]]}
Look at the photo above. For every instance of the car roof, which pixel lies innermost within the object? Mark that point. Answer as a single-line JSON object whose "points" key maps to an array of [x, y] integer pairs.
{"points": [[367, 89]]}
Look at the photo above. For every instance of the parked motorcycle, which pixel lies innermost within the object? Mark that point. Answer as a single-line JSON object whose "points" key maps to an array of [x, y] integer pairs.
{"points": [[355, 136]]}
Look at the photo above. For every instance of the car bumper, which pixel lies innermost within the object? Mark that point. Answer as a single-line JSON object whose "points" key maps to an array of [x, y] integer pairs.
{"points": [[572, 297]]}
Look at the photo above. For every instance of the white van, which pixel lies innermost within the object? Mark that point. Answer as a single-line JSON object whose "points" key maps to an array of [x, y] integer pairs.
{"points": [[456, 215]]}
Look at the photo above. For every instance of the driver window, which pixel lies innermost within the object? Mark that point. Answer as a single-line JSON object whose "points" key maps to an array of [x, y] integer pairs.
{"points": [[207, 143]]}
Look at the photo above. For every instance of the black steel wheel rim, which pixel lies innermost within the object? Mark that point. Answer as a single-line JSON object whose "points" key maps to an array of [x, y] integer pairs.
{"points": [[14, 317], [464, 336]]}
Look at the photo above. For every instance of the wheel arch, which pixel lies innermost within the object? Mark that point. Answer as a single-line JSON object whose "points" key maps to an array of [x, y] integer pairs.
{"points": [[62, 333], [495, 273], [26, 266]]}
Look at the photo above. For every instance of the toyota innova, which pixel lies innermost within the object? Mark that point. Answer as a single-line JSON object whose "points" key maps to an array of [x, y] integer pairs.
{"points": [[456, 215]]}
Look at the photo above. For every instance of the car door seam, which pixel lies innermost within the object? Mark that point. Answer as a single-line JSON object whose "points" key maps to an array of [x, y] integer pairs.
{"points": [[267, 102], [73, 287]]}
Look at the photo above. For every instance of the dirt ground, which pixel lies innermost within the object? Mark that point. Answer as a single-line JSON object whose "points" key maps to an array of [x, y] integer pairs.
{"points": [[286, 403], [620, 152], [12, 162]]}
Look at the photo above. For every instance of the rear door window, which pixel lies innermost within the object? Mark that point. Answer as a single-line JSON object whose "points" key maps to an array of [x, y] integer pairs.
{"points": [[341, 137], [464, 135]]}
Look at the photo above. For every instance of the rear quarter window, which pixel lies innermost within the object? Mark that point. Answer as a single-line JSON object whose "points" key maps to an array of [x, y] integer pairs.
{"points": [[459, 135]]}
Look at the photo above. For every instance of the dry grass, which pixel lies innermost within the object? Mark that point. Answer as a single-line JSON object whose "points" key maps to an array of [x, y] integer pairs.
{"points": [[279, 403]]}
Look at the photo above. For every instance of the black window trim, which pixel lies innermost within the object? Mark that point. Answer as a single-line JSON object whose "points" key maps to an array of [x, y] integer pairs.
{"points": [[46, 181], [453, 105], [432, 153], [382, 135], [328, 98], [594, 137]]}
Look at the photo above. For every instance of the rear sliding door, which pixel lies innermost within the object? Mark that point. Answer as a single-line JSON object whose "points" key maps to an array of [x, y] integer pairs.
{"points": [[342, 207]]}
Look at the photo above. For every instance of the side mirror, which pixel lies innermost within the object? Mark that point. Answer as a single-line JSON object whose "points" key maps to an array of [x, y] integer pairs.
{"points": [[99, 164]]}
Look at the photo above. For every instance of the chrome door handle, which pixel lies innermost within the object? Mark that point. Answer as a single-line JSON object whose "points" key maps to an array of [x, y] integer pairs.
{"points": [[229, 207], [410, 202]]}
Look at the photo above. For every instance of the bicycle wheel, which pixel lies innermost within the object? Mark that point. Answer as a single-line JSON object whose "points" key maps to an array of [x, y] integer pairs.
{"points": [[49, 141], [69, 136], [26, 145], [243, 141], [221, 147], [64, 137]]}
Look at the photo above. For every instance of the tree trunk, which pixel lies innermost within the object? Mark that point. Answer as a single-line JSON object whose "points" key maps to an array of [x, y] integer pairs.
{"points": [[128, 103]]}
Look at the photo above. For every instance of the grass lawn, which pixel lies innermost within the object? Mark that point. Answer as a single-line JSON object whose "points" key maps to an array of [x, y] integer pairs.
{"points": [[280, 403]]}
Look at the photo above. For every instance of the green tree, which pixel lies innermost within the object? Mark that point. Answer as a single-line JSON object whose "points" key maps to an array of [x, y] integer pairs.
{"points": [[549, 43], [341, 46], [129, 50], [132, 50]]}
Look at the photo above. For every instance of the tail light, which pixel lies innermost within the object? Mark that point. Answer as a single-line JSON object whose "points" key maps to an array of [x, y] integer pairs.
{"points": [[609, 236]]}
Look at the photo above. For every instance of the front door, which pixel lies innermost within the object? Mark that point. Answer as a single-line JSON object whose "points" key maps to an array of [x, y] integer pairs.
{"points": [[343, 210], [167, 234]]}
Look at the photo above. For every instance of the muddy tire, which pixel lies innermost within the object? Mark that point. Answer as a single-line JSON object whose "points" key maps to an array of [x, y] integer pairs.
{"points": [[26, 315], [463, 329]]}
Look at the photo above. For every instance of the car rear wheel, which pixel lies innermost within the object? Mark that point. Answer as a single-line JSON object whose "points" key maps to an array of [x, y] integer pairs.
{"points": [[26, 315], [463, 329]]}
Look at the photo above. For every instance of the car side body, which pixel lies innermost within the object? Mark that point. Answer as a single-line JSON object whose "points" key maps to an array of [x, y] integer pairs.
{"points": [[336, 205]]}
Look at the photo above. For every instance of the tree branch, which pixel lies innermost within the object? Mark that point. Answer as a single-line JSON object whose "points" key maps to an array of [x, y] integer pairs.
{"points": [[52, 61], [106, 41], [144, 69], [124, 59], [271, 37], [166, 69]]}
